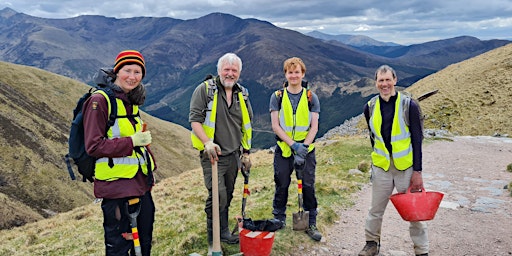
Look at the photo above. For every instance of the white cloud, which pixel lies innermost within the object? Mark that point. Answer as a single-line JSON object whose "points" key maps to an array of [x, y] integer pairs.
{"points": [[395, 20], [362, 28]]}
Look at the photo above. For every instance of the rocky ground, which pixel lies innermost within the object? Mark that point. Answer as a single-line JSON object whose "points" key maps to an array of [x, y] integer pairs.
{"points": [[475, 216]]}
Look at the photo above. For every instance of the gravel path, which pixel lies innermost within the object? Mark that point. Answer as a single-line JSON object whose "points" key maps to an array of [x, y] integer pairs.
{"points": [[475, 217]]}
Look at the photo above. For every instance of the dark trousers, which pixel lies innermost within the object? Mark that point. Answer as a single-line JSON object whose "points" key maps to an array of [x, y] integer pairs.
{"points": [[116, 222], [227, 168], [283, 168]]}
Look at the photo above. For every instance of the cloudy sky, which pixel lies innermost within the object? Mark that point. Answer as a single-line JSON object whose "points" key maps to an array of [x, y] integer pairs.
{"points": [[400, 21]]}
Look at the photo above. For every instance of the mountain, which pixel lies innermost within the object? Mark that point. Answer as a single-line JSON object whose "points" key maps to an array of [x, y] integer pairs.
{"points": [[353, 40], [180, 53], [435, 55], [35, 118]]}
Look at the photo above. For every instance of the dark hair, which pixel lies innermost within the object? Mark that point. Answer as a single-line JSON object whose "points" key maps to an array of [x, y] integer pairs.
{"points": [[384, 69]]}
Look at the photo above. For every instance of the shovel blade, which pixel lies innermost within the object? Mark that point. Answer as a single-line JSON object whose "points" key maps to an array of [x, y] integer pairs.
{"points": [[300, 220]]}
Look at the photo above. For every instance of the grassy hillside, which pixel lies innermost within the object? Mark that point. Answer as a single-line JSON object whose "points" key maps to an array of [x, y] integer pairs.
{"points": [[474, 95], [180, 218], [35, 116]]}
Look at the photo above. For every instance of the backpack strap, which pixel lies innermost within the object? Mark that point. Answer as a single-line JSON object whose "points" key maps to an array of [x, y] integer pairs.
{"points": [[211, 89], [279, 96], [112, 105], [113, 108], [245, 92], [406, 103]]}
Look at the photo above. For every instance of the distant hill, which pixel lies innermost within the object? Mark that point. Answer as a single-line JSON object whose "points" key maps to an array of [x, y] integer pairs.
{"points": [[353, 40], [180, 53], [35, 118]]}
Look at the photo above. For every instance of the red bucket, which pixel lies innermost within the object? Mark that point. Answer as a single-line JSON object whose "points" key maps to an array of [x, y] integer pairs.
{"points": [[256, 243], [418, 206]]}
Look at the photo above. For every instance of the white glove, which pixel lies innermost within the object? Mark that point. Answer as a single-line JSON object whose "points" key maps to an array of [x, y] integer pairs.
{"points": [[246, 162], [141, 139], [213, 150]]}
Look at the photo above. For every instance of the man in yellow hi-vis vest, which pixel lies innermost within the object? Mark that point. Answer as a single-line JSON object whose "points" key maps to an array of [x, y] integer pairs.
{"points": [[396, 158], [220, 117], [294, 113]]}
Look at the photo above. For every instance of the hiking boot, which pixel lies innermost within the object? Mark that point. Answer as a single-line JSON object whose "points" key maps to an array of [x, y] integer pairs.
{"points": [[227, 237], [225, 233], [313, 232], [370, 249], [282, 223], [210, 250]]}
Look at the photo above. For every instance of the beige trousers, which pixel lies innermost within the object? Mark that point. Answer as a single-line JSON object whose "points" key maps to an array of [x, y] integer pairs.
{"points": [[383, 184]]}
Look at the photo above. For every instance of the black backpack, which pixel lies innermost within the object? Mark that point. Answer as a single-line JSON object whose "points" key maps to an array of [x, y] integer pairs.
{"points": [[82, 160]]}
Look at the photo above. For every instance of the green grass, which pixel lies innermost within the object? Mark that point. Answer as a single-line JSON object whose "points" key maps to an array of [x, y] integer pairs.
{"points": [[180, 227]]}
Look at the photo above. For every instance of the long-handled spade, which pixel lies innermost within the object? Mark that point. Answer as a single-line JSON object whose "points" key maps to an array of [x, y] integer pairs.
{"points": [[216, 250], [246, 192], [300, 218], [134, 202]]}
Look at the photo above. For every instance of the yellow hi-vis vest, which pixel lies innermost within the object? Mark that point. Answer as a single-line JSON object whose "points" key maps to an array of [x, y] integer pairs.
{"points": [[296, 126], [211, 116], [124, 167], [400, 138]]}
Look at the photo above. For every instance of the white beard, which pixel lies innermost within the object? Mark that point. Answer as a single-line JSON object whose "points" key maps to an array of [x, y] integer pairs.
{"points": [[226, 83], [229, 85]]}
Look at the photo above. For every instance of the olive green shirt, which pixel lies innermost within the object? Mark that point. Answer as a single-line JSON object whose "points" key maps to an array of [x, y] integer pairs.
{"points": [[228, 124]]}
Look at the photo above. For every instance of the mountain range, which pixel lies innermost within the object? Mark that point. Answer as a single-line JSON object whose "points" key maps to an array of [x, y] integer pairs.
{"points": [[180, 53], [352, 40]]}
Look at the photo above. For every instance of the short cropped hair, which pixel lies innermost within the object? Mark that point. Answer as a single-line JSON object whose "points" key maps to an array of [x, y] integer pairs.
{"points": [[292, 63], [384, 69]]}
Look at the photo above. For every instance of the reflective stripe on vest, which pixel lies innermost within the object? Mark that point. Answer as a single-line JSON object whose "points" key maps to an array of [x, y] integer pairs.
{"points": [[211, 115], [400, 138], [295, 125], [246, 123], [124, 167]]}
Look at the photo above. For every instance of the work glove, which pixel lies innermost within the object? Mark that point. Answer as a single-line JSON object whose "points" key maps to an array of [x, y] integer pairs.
{"points": [[298, 160], [246, 162], [300, 149], [141, 139], [213, 150]]}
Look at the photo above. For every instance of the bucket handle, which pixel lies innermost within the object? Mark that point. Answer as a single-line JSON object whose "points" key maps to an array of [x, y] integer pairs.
{"points": [[422, 190]]}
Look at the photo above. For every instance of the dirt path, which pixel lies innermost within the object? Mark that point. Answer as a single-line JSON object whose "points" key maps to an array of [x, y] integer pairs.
{"points": [[475, 217]]}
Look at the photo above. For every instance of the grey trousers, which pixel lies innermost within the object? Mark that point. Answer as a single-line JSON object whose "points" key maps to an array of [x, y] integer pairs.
{"points": [[383, 184]]}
